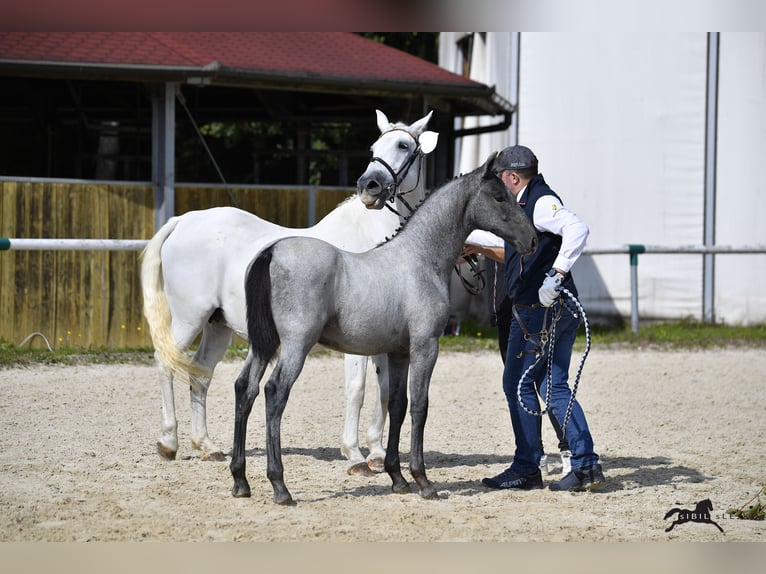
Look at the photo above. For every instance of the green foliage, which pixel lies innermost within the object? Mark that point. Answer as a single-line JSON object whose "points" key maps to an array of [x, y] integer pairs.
{"points": [[672, 335], [424, 45], [678, 335], [684, 334], [755, 511], [13, 356]]}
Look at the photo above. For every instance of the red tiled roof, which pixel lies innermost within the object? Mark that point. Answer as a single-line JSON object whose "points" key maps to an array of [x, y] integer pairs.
{"points": [[309, 54], [335, 62]]}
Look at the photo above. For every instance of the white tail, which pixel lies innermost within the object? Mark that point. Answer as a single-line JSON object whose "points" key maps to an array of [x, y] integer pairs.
{"points": [[157, 311]]}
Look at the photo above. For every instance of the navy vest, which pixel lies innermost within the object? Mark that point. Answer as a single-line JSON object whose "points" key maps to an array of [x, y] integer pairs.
{"points": [[525, 274]]}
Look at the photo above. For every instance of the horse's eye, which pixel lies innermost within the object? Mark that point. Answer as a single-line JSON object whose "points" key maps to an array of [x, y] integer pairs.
{"points": [[403, 146]]}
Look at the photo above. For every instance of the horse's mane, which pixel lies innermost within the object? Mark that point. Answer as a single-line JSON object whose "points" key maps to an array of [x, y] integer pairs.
{"points": [[427, 195]]}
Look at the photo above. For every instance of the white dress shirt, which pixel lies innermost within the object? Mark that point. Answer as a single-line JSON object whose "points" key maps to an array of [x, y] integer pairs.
{"points": [[551, 216]]}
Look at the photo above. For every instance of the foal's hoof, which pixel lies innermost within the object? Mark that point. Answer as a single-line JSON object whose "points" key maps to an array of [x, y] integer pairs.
{"points": [[401, 487], [359, 469], [216, 456], [429, 493], [240, 490], [165, 452], [375, 465], [284, 500]]}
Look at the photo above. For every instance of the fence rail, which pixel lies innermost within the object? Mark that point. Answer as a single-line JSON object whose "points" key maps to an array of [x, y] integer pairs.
{"points": [[635, 249], [84, 292], [632, 250], [8, 244]]}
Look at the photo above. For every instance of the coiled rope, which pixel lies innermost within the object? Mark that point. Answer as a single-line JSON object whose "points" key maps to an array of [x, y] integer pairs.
{"points": [[547, 346]]}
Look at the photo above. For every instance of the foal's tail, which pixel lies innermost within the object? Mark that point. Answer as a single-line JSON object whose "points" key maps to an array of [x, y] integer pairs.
{"points": [[261, 330], [157, 310]]}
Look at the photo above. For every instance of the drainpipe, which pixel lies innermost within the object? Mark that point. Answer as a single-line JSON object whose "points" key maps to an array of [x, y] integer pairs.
{"points": [[711, 136]]}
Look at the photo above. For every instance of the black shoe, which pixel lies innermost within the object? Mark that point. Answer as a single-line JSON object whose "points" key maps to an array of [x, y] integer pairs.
{"points": [[585, 478], [510, 480]]}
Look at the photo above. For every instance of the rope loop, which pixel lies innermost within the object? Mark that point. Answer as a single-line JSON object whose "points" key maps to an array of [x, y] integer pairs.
{"points": [[546, 346]]}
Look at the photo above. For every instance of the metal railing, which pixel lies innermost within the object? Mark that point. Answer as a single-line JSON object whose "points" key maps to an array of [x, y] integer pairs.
{"points": [[632, 250], [636, 249]]}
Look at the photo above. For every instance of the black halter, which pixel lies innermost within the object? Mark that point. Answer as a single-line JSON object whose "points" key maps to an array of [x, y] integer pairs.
{"points": [[392, 189]]}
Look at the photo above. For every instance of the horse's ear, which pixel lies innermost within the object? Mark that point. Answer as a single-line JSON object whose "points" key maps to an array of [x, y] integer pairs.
{"points": [[383, 124], [427, 141], [419, 126]]}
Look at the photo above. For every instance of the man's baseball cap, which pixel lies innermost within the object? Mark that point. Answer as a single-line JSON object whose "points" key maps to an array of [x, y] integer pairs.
{"points": [[515, 157]]}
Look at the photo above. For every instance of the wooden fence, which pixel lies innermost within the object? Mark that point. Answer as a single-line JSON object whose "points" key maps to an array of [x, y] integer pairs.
{"points": [[92, 299]]}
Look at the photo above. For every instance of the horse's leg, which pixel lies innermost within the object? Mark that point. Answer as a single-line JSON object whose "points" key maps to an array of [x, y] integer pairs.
{"points": [[216, 338], [167, 444], [277, 391], [375, 430], [246, 390], [355, 370], [422, 366], [397, 407]]}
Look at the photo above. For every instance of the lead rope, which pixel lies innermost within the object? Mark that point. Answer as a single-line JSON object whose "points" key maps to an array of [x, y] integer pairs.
{"points": [[548, 343], [478, 275]]}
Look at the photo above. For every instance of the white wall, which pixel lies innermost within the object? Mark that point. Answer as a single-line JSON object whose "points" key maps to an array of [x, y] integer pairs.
{"points": [[618, 123], [740, 294]]}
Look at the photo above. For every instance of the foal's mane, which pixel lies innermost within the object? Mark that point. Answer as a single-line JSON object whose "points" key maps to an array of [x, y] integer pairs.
{"points": [[428, 194]]}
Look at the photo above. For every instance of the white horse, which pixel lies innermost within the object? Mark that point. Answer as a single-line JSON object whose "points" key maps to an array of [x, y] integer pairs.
{"points": [[193, 273]]}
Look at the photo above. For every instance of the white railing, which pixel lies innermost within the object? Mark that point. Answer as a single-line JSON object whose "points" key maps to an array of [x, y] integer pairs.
{"points": [[632, 250], [636, 249]]}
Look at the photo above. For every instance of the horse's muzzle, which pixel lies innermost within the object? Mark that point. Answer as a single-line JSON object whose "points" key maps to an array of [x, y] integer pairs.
{"points": [[372, 194]]}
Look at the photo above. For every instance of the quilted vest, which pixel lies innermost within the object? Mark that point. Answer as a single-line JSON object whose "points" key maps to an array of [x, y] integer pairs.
{"points": [[525, 274]]}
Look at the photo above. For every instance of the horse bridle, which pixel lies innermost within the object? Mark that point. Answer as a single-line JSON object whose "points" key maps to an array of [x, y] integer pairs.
{"points": [[392, 189], [397, 177]]}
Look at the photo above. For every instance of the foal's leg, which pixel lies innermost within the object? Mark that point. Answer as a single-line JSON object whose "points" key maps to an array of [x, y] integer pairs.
{"points": [[422, 366], [397, 407], [277, 391], [167, 444], [245, 390], [355, 369], [375, 430], [216, 338]]}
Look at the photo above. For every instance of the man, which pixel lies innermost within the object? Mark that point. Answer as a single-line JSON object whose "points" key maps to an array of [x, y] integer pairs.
{"points": [[533, 283], [500, 315]]}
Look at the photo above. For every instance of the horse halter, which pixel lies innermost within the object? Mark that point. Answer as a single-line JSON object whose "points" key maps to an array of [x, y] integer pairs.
{"points": [[398, 176]]}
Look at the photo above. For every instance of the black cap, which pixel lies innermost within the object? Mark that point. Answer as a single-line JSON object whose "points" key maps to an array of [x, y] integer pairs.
{"points": [[515, 157]]}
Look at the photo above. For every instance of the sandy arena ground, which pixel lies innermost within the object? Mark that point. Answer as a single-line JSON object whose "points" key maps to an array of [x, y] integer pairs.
{"points": [[78, 460]]}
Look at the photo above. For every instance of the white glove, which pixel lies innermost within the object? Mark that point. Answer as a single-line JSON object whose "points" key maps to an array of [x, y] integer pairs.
{"points": [[548, 292]]}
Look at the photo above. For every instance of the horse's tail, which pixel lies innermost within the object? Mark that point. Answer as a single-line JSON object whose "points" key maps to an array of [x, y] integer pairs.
{"points": [[157, 310], [261, 330]]}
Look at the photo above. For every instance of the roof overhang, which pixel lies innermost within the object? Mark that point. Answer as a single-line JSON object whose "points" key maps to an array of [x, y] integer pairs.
{"points": [[465, 100]]}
